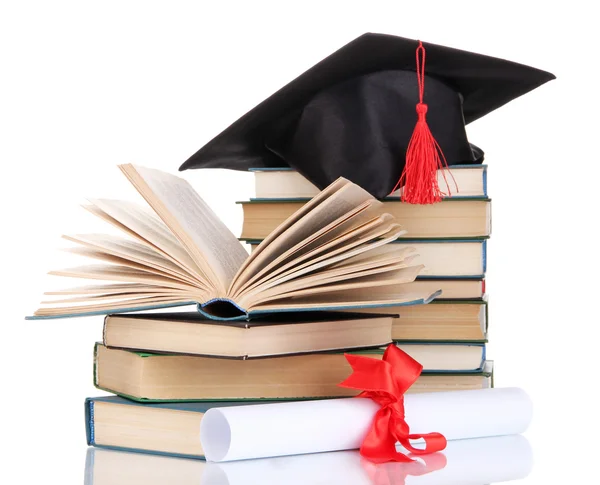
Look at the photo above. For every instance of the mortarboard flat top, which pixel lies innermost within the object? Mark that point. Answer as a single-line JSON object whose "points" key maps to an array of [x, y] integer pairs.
{"points": [[353, 113]]}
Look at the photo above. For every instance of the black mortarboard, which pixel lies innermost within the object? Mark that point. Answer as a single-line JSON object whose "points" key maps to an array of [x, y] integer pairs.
{"points": [[353, 113]]}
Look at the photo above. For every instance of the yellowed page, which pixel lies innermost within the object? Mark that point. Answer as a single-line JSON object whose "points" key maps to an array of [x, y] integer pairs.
{"points": [[376, 237], [346, 274], [120, 273], [133, 251], [367, 288], [111, 307], [348, 222], [142, 222], [328, 208], [205, 237], [116, 288], [108, 258], [336, 266]]}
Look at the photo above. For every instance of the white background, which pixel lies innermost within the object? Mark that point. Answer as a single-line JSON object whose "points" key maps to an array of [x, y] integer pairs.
{"points": [[87, 85]]}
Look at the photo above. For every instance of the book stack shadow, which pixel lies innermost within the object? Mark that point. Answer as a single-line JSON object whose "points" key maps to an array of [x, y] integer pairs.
{"points": [[329, 273]]}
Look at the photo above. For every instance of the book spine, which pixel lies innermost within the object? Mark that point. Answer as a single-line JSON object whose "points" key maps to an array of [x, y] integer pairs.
{"points": [[89, 422], [484, 255], [484, 175]]}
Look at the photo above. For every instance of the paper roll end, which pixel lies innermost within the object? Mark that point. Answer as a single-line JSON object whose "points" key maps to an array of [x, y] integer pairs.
{"points": [[215, 435]]}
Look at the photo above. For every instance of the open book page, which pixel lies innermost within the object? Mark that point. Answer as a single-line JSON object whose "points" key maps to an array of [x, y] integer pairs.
{"points": [[346, 223], [143, 225], [348, 274], [208, 241], [133, 251], [366, 290], [114, 289], [370, 298], [118, 305], [359, 259], [364, 239], [117, 260], [120, 273], [329, 206]]}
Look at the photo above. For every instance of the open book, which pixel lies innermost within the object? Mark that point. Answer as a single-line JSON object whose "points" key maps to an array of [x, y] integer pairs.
{"points": [[333, 253]]}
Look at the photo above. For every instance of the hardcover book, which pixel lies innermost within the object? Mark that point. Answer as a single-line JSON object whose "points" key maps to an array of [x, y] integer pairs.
{"points": [[330, 253], [278, 183], [161, 377], [442, 258], [442, 320], [298, 333], [162, 428], [450, 218]]}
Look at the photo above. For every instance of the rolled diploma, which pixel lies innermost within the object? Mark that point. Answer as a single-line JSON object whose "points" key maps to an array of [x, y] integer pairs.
{"points": [[294, 428]]}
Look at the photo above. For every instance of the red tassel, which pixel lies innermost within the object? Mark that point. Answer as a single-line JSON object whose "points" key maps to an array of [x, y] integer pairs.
{"points": [[423, 156]]}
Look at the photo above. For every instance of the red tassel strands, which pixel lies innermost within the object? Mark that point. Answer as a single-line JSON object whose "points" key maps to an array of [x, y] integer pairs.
{"points": [[423, 156]]}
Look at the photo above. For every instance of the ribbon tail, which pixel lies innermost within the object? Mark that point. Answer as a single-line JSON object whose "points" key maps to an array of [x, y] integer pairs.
{"points": [[433, 442]]}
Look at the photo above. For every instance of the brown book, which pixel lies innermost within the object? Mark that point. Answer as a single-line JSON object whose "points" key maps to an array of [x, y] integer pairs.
{"points": [[159, 377], [441, 320], [190, 333], [451, 218]]}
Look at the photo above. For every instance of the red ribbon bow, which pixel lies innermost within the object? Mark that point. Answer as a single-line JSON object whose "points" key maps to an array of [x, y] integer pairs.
{"points": [[385, 382]]}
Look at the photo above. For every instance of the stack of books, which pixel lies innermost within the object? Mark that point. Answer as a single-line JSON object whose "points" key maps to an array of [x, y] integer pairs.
{"points": [[269, 326], [449, 334]]}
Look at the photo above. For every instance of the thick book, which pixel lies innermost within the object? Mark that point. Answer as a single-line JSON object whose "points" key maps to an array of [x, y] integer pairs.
{"points": [[452, 289], [162, 428], [442, 258], [298, 333], [442, 321], [163, 377], [278, 183], [331, 253], [450, 218]]}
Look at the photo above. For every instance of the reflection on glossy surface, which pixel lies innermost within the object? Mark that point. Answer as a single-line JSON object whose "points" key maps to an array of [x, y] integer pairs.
{"points": [[465, 462]]}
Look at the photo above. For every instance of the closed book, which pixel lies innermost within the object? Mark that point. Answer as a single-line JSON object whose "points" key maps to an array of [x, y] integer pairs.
{"points": [[442, 320], [162, 377], [277, 183], [450, 289], [446, 356], [298, 333], [450, 218], [443, 258], [163, 428]]}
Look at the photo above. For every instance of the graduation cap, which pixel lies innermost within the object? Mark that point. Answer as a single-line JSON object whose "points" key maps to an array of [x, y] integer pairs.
{"points": [[382, 111]]}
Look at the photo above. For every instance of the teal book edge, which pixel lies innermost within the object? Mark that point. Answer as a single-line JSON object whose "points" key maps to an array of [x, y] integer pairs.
{"points": [[243, 314]]}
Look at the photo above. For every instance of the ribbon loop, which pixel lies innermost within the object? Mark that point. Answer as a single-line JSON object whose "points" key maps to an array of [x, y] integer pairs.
{"points": [[385, 382]]}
